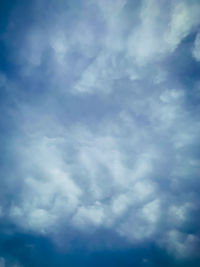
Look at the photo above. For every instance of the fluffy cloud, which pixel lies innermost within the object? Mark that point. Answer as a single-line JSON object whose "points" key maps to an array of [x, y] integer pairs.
{"points": [[113, 175], [105, 136]]}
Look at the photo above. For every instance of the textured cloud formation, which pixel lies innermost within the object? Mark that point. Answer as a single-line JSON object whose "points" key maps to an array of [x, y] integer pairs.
{"points": [[100, 126]]}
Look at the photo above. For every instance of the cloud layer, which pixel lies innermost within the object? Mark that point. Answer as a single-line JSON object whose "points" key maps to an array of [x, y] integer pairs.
{"points": [[100, 125]]}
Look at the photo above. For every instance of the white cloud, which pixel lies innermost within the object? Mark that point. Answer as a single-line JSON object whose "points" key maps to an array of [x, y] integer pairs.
{"points": [[102, 184], [121, 203], [89, 215], [111, 173], [93, 54], [151, 211], [163, 25], [178, 215], [185, 17], [181, 245], [143, 43], [196, 49]]}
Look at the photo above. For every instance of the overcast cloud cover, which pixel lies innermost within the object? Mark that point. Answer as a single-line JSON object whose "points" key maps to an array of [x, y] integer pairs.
{"points": [[100, 133]]}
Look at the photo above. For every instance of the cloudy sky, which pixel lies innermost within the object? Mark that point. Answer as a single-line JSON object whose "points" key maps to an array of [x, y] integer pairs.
{"points": [[100, 133]]}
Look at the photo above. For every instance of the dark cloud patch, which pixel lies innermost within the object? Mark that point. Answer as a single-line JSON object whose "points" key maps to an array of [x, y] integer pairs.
{"points": [[186, 70], [30, 250]]}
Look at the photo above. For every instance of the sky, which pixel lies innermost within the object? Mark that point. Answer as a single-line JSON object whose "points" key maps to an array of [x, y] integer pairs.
{"points": [[100, 133]]}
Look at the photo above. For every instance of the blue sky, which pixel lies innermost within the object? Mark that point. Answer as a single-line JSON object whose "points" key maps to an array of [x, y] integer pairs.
{"points": [[99, 133]]}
